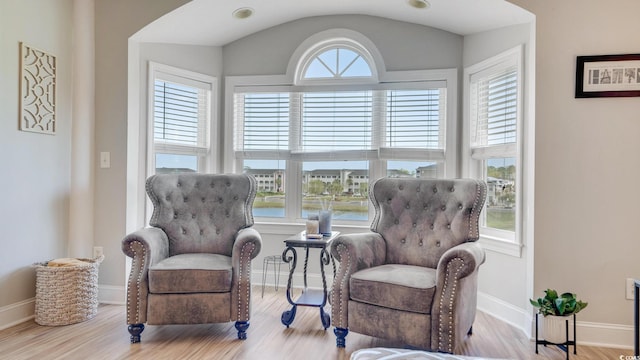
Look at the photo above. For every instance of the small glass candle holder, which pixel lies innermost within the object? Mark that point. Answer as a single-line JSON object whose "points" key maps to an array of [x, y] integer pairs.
{"points": [[313, 225]]}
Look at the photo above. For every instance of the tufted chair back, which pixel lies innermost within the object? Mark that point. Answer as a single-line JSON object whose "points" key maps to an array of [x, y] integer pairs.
{"points": [[420, 219], [201, 213]]}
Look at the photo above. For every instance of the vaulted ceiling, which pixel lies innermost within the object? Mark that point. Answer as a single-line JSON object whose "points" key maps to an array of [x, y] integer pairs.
{"points": [[211, 22]]}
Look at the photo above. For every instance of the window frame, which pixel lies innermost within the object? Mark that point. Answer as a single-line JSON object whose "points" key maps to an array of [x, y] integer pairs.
{"points": [[502, 241], [334, 43], [206, 158], [377, 168]]}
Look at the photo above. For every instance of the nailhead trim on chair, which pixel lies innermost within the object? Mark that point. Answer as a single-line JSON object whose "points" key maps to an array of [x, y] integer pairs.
{"points": [[243, 255], [460, 264], [342, 250], [474, 230], [138, 281], [249, 200]]}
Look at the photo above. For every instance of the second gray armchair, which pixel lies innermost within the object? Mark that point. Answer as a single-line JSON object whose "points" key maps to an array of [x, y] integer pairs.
{"points": [[414, 277]]}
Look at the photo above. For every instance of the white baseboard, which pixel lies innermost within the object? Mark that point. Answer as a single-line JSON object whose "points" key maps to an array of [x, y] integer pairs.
{"points": [[109, 294], [588, 333], [17, 313], [605, 335], [506, 312]]}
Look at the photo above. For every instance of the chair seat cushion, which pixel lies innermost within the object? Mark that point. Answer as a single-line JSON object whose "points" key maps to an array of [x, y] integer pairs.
{"points": [[394, 286], [191, 273]]}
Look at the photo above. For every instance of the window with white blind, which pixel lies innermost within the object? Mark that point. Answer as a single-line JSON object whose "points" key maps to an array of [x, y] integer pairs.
{"points": [[494, 119], [333, 139], [319, 146], [180, 120]]}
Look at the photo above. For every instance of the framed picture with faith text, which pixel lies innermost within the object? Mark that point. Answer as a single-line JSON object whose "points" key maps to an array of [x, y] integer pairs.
{"points": [[608, 76]]}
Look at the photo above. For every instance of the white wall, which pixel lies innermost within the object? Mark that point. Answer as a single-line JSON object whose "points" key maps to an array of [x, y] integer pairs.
{"points": [[35, 167], [115, 21], [586, 165]]}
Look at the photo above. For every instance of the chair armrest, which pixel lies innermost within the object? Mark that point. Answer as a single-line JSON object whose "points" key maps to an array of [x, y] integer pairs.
{"points": [[245, 248], [145, 247], [354, 252], [454, 302], [470, 255]]}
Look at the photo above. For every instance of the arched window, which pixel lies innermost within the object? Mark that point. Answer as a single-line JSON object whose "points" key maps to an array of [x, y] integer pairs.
{"points": [[337, 59]]}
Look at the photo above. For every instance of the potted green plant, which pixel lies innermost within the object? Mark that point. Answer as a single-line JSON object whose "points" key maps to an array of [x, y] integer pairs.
{"points": [[554, 309]]}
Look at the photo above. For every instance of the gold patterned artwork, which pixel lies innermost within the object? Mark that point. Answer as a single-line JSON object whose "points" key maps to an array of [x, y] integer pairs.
{"points": [[38, 90]]}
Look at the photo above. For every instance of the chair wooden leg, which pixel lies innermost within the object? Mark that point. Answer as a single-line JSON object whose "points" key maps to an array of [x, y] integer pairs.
{"points": [[135, 330], [242, 327]]}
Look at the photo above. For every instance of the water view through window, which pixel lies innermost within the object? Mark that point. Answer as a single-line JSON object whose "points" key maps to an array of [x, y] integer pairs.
{"points": [[270, 197], [501, 193], [341, 186]]}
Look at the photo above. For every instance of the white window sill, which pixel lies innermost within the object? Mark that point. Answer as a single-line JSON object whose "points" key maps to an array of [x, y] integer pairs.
{"points": [[282, 228], [500, 245], [490, 243]]}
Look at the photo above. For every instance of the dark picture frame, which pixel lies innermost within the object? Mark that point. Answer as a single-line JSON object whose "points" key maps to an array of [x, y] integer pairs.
{"points": [[608, 76]]}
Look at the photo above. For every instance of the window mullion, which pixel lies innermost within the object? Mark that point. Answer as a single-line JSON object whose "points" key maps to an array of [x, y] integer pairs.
{"points": [[293, 186], [379, 127]]}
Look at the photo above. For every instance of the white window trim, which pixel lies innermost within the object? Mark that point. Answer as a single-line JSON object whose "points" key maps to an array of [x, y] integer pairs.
{"points": [[388, 80], [205, 154], [493, 239], [304, 52], [335, 43]]}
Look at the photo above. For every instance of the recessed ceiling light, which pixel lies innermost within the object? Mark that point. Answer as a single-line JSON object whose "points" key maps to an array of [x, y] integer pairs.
{"points": [[243, 13], [419, 4]]}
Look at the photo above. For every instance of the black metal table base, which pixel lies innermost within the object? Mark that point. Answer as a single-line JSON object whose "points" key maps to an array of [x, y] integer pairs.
{"points": [[309, 297]]}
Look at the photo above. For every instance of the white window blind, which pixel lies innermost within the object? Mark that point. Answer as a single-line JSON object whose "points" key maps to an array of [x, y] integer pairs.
{"points": [[266, 121], [345, 125], [415, 118], [333, 121], [180, 114], [493, 105]]}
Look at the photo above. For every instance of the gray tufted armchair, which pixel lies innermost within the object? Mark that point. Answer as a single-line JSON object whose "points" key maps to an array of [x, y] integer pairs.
{"points": [[193, 265], [414, 278]]}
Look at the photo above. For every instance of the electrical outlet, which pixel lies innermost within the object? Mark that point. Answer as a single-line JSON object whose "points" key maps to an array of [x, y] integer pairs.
{"points": [[97, 251], [630, 288]]}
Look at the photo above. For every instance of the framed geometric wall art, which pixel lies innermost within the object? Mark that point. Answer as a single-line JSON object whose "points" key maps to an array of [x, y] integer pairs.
{"points": [[608, 76], [37, 91]]}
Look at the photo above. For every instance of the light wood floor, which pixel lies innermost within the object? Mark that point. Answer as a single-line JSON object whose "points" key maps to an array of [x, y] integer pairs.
{"points": [[106, 337]]}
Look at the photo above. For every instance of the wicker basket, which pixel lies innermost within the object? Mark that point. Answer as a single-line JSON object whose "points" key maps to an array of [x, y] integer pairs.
{"points": [[67, 294]]}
